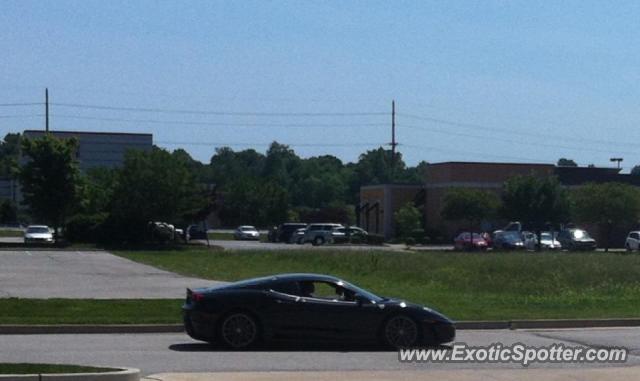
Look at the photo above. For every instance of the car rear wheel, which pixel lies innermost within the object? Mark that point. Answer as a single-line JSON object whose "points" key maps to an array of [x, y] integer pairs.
{"points": [[401, 332], [239, 330], [318, 241]]}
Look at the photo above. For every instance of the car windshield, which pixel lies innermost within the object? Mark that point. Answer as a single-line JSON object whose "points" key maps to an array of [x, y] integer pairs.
{"points": [[360, 291], [37, 230], [580, 234], [248, 229], [546, 236]]}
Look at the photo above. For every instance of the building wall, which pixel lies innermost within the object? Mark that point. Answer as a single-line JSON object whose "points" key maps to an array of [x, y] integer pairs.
{"points": [[383, 201], [98, 149]]}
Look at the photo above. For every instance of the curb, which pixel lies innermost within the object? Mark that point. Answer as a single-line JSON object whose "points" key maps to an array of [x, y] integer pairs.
{"points": [[102, 328], [126, 374], [177, 328], [548, 324]]}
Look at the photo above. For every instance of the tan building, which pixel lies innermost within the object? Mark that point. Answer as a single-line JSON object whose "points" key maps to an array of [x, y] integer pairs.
{"points": [[378, 203]]}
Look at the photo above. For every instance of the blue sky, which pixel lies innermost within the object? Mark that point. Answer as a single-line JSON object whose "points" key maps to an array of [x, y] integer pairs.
{"points": [[473, 80]]}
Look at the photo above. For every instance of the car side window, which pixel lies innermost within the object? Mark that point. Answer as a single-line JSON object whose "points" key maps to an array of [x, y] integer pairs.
{"points": [[635, 235], [290, 288], [325, 291]]}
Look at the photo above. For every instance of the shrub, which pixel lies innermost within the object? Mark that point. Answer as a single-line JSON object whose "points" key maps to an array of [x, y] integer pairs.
{"points": [[85, 228]]}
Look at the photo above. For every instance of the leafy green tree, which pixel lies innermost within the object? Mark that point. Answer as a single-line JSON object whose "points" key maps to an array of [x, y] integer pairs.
{"points": [[469, 205], [562, 162], [407, 218], [50, 179], [608, 205], [254, 202], [635, 171], [8, 212], [535, 201], [9, 152], [152, 186]]}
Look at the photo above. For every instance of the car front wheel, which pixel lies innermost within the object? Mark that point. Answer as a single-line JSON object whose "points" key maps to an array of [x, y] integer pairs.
{"points": [[401, 332], [239, 330], [318, 241]]}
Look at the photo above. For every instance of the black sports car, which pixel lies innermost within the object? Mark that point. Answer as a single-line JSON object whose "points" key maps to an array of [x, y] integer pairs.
{"points": [[308, 307]]}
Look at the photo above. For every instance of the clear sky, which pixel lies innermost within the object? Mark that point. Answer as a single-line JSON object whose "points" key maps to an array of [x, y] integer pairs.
{"points": [[483, 80]]}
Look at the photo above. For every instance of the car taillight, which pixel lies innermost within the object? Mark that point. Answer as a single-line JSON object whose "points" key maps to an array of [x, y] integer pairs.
{"points": [[196, 297]]}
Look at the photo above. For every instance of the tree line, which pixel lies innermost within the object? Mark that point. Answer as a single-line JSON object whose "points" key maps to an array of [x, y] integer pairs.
{"points": [[242, 187]]}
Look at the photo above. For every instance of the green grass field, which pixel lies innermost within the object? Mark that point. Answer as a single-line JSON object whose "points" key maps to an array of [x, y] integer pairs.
{"points": [[24, 368], [11, 233], [465, 286], [87, 311]]}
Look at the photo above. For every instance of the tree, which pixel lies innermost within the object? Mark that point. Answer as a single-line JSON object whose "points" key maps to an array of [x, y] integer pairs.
{"points": [[635, 171], [50, 179], [152, 186], [407, 218], [469, 205], [8, 212], [607, 205], [254, 202], [535, 201], [9, 152], [562, 162]]}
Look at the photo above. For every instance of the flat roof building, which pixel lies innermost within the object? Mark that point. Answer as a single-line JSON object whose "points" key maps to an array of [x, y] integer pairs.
{"points": [[100, 149]]}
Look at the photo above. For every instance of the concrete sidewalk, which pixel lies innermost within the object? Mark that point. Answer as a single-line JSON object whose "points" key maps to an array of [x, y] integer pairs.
{"points": [[594, 374]]}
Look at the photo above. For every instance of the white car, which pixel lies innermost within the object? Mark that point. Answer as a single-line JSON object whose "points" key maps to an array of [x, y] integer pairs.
{"points": [[38, 234], [246, 232], [547, 242], [633, 241]]}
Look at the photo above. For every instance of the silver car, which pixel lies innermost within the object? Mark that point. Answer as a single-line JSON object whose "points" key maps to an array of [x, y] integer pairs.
{"points": [[547, 241], [38, 234], [246, 232], [319, 234]]}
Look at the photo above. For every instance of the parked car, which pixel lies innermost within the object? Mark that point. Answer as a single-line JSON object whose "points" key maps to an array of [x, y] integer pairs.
{"points": [[547, 241], [633, 241], [307, 307], [195, 232], [283, 232], [508, 240], [576, 239], [463, 242], [346, 234], [247, 232], [319, 234], [38, 234], [298, 236]]}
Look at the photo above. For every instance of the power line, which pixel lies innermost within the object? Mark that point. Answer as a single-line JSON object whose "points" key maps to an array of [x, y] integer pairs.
{"points": [[221, 144], [221, 113], [222, 124], [513, 141], [20, 104], [505, 130]]}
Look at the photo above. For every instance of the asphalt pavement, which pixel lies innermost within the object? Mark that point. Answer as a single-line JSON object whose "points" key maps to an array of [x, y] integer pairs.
{"points": [[161, 353], [86, 274]]}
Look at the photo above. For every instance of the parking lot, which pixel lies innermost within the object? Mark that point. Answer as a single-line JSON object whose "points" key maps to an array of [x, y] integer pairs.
{"points": [[86, 274]]}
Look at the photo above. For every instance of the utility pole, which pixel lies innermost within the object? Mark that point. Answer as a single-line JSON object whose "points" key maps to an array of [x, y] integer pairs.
{"points": [[393, 134], [46, 110]]}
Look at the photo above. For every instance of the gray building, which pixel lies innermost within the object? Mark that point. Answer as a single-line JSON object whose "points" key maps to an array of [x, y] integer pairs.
{"points": [[100, 149]]}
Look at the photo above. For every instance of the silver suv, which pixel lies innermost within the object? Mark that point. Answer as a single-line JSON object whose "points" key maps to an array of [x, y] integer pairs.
{"points": [[319, 234]]}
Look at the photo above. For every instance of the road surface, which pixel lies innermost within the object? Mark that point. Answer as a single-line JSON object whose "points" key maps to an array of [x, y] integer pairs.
{"points": [[158, 353]]}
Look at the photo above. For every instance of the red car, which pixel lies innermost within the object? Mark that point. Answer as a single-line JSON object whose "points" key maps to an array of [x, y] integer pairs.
{"points": [[463, 242]]}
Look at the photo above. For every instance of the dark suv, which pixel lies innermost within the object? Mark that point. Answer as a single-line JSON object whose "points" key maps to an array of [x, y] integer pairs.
{"points": [[284, 232], [576, 239]]}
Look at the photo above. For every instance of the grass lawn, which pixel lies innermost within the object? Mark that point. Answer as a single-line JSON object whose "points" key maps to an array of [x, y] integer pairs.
{"points": [[11, 233], [87, 311], [465, 286], [25, 368]]}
